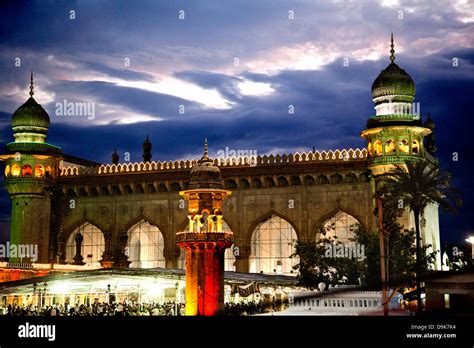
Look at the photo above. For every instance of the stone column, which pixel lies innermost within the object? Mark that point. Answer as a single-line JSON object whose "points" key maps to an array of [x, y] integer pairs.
{"points": [[242, 263], [107, 260], [171, 255], [61, 248], [121, 260]]}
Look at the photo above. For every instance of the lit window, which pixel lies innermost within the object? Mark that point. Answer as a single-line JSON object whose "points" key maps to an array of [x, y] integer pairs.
{"points": [[415, 147], [48, 171], [390, 147], [27, 170], [39, 171], [16, 170], [7, 170], [378, 148], [403, 146]]}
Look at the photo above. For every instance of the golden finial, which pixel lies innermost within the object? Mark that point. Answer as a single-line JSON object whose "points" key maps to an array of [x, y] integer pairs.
{"points": [[392, 51], [31, 84]]}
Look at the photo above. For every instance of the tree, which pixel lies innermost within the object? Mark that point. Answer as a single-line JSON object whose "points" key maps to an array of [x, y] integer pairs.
{"points": [[415, 185], [401, 255], [315, 266]]}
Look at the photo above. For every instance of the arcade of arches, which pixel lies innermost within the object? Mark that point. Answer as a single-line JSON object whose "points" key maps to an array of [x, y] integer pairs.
{"points": [[272, 244]]}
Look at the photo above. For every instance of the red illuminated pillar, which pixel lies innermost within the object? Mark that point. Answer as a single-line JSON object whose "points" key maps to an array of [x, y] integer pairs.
{"points": [[205, 240], [205, 272]]}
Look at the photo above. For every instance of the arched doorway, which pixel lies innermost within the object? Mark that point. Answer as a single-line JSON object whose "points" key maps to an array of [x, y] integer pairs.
{"points": [[229, 258], [92, 247], [145, 246], [341, 227], [273, 242]]}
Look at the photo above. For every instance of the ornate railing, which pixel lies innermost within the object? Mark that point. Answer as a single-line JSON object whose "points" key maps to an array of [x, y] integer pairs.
{"points": [[250, 161]]}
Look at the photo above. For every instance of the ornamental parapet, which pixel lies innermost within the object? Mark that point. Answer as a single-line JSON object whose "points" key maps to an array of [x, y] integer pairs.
{"points": [[238, 161]]}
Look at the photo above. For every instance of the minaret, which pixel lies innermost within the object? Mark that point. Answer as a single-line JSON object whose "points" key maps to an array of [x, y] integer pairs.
{"points": [[31, 167], [115, 157], [206, 241], [147, 150], [395, 133]]}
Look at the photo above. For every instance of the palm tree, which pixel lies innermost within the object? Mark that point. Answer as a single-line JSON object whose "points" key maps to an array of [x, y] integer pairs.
{"points": [[416, 184]]}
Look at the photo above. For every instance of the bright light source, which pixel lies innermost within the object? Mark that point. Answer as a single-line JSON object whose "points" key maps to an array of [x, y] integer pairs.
{"points": [[470, 240], [60, 288]]}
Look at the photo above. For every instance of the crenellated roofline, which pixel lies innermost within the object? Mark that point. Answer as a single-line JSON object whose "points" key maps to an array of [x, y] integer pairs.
{"points": [[238, 161]]}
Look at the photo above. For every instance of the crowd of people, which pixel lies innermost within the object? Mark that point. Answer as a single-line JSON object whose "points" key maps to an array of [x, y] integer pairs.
{"points": [[127, 308], [245, 308], [99, 309]]}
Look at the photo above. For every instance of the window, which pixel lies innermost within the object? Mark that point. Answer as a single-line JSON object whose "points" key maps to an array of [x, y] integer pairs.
{"points": [[322, 179], [92, 247], [342, 226], [145, 246], [269, 182], [271, 246], [256, 183], [39, 171], [244, 183], [27, 170], [48, 172], [390, 146], [378, 148], [16, 169], [308, 180], [230, 184], [7, 170], [415, 147], [403, 146]]}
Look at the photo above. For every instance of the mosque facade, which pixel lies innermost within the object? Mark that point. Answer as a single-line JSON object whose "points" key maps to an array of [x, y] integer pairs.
{"points": [[130, 215]]}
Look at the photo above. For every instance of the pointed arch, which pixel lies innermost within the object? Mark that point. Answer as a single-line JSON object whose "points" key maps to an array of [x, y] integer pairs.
{"points": [[338, 223], [92, 246], [272, 243], [142, 217], [145, 245], [79, 222]]}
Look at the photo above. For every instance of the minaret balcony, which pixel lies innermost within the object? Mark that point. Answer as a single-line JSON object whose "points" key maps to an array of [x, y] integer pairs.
{"points": [[224, 236]]}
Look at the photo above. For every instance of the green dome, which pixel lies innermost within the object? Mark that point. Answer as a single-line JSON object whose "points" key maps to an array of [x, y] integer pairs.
{"points": [[394, 81], [30, 115]]}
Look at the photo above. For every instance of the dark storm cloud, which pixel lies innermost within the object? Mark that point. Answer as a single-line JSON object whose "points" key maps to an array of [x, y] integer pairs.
{"points": [[141, 101]]}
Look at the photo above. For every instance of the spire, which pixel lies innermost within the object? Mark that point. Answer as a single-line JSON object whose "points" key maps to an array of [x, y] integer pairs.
{"points": [[392, 51], [428, 120], [115, 157], [147, 146], [206, 150], [31, 84]]}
